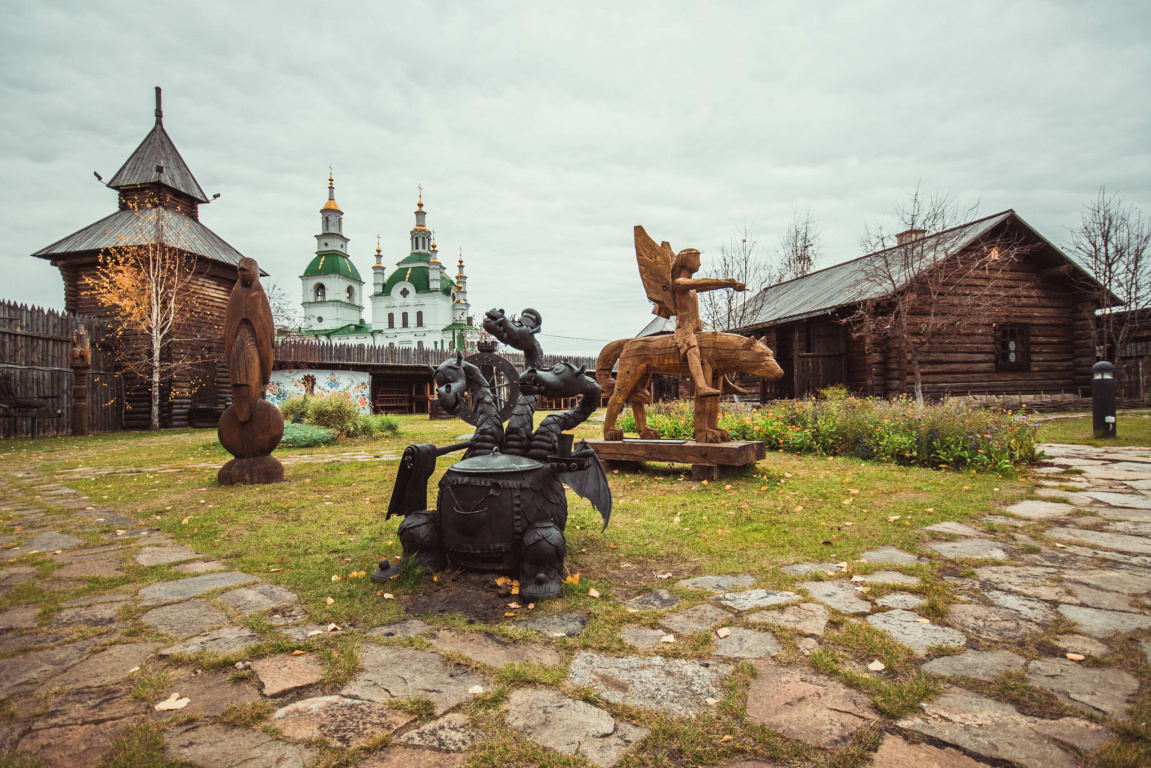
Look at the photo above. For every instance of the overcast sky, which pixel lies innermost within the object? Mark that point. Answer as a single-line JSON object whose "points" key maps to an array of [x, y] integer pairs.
{"points": [[542, 132]]}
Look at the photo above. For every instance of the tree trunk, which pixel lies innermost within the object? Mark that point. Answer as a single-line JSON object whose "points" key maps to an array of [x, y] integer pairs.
{"points": [[914, 355], [155, 421]]}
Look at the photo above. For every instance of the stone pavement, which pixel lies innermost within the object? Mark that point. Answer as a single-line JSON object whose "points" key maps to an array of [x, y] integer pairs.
{"points": [[1052, 592]]}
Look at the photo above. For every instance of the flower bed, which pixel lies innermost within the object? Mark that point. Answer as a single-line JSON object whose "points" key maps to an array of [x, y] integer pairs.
{"points": [[899, 431]]}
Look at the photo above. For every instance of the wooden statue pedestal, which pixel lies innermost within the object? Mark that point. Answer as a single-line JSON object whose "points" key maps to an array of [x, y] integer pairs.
{"points": [[705, 458]]}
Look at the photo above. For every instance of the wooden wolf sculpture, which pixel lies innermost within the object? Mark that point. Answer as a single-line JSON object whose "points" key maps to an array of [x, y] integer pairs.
{"points": [[720, 354]]}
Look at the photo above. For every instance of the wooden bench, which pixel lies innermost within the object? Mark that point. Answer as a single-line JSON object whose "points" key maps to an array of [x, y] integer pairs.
{"points": [[705, 458]]}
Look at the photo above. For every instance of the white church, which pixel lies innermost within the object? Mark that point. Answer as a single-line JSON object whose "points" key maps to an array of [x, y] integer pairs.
{"points": [[418, 305]]}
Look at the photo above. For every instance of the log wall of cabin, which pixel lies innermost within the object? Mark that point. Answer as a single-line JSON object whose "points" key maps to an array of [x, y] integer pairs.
{"points": [[963, 360], [209, 293]]}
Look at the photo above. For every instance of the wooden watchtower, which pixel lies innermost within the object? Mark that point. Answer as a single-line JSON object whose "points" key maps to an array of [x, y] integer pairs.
{"points": [[155, 176]]}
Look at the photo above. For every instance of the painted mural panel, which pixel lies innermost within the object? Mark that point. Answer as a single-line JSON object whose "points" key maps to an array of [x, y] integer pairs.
{"points": [[289, 384]]}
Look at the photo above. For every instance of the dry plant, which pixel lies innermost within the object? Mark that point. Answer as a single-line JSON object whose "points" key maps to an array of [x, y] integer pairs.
{"points": [[1112, 241], [742, 259], [925, 285], [159, 322]]}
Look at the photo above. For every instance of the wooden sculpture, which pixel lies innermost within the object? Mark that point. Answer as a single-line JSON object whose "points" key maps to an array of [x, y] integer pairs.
{"points": [[251, 427], [706, 357]]}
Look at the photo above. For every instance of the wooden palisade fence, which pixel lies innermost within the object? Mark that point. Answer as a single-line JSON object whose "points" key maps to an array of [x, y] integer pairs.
{"points": [[36, 367]]}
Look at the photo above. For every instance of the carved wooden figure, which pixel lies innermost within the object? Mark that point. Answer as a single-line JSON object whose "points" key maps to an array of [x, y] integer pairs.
{"points": [[251, 427], [707, 357]]}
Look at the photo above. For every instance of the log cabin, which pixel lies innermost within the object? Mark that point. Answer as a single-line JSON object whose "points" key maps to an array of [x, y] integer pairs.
{"points": [[1031, 337], [156, 178]]}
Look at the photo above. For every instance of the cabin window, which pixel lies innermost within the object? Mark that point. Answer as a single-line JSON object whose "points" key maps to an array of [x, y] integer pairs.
{"points": [[419, 345], [391, 319], [404, 319], [321, 292], [1013, 347], [419, 319]]}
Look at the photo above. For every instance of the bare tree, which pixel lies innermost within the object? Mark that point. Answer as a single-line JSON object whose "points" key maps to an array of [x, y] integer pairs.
{"points": [[1112, 241], [740, 259], [921, 284], [287, 313], [799, 248], [150, 286]]}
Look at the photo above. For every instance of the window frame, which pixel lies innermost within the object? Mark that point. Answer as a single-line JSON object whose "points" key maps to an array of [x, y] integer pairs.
{"points": [[1021, 335]]}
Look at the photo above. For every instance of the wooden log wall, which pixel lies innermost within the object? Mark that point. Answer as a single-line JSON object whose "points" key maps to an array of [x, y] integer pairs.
{"points": [[209, 291], [297, 352]]}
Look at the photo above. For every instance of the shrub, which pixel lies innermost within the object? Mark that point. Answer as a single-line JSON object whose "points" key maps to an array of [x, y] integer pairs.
{"points": [[335, 411], [306, 436], [295, 409], [338, 413], [381, 423], [899, 431]]}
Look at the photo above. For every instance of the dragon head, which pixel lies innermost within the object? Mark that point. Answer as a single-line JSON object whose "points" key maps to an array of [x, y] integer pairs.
{"points": [[561, 380], [516, 333]]}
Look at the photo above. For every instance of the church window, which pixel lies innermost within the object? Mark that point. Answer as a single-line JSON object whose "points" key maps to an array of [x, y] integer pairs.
{"points": [[391, 319], [404, 319], [321, 292], [319, 319], [419, 319], [404, 292], [351, 294], [325, 243]]}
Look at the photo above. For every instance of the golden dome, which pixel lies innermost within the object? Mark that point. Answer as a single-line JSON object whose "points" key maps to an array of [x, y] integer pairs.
{"points": [[331, 206]]}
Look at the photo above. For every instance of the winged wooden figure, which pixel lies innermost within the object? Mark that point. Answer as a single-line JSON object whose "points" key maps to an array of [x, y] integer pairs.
{"points": [[706, 356]]}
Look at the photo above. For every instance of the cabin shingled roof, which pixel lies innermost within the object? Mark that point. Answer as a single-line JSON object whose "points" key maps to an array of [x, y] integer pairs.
{"points": [[845, 284], [157, 149]]}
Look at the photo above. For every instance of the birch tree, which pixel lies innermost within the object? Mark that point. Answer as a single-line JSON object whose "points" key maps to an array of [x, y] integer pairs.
{"points": [[148, 286]]}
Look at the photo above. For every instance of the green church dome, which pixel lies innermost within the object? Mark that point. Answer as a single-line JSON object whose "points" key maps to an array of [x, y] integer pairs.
{"points": [[332, 264], [417, 275]]}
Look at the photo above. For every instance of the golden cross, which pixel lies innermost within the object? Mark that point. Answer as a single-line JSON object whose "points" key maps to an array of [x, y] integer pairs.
{"points": [[421, 187]]}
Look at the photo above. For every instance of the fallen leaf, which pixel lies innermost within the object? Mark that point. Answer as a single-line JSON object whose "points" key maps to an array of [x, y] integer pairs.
{"points": [[857, 577], [514, 605], [510, 615], [185, 521], [476, 689], [329, 601], [930, 510], [893, 518], [58, 552], [335, 577], [593, 593], [853, 491], [315, 632], [1061, 546], [572, 579], [798, 509], [559, 634], [876, 666], [633, 610], [298, 653], [725, 738], [723, 632], [615, 546], [667, 639], [502, 580], [172, 702], [1076, 656], [333, 628], [711, 702], [924, 621], [120, 533], [275, 570], [389, 596], [531, 606], [663, 575]]}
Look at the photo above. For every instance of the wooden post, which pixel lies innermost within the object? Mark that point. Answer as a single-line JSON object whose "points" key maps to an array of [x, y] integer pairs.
{"points": [[81, 362]]}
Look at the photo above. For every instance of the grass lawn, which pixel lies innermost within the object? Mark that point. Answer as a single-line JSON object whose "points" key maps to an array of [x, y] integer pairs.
{"points": [[328, 521], [1131, 427]]}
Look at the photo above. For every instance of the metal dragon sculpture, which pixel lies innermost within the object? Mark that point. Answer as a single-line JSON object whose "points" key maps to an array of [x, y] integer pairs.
{"points": [[503, 507]]}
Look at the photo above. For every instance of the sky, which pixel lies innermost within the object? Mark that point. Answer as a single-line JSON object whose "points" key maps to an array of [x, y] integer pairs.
{"points": [[542, 132]]}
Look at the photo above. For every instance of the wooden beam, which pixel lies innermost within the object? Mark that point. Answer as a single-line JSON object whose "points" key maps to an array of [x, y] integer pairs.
{"points": [[1061, 271]]}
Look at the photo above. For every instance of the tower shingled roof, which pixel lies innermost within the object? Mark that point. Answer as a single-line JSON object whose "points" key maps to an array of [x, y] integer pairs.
{"points": [[155, 150]]}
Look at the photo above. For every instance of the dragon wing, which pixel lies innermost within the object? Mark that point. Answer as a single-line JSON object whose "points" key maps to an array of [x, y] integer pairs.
{"points": [[655, 271], [590, 482]]}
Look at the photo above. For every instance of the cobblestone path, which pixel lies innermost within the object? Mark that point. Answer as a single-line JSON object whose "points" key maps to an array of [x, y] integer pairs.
{"points": [[1050, 593]]}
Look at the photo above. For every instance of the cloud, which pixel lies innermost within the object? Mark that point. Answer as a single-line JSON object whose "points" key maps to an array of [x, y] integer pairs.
{"points": [[542, 132]]}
